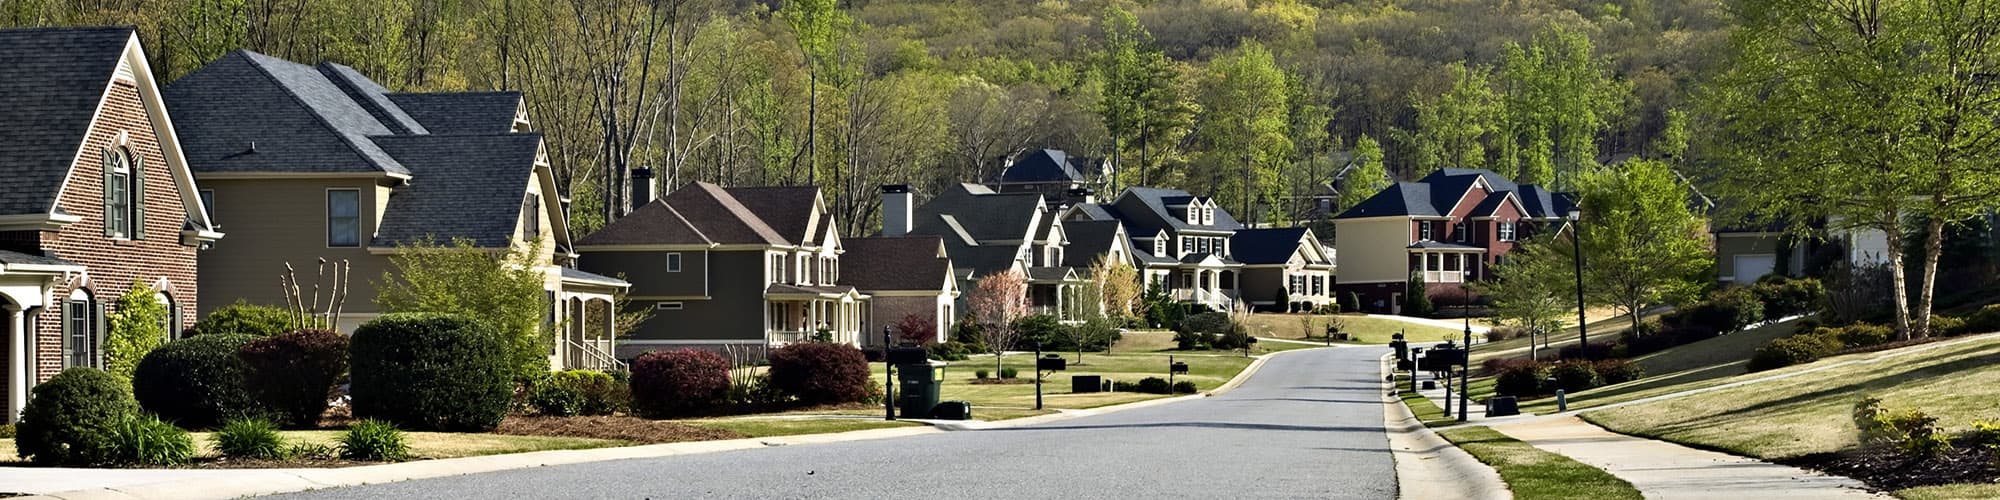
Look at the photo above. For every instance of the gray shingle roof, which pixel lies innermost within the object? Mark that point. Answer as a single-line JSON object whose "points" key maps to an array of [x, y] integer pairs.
{"points": [[712, 214], [1144, 211], [586, 277], [462, 112], [786, 209], [18, 258], [656, 223], [1087, 240], [297, 119], [894, 263], [1046, 165], [1266, 246], [1437, 193], [463, 186], [984, 214], [373, 98], [50, 82]]}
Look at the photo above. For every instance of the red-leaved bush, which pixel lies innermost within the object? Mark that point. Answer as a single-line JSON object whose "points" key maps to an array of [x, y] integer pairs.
{"points": [[917, 330], [294, 374], [668, 383], [820, 373]]}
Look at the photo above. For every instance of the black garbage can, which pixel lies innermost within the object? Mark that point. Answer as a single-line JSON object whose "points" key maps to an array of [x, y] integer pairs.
{"points": [[1430, 385], [1503, 406], [918, 391], [1080, 384]]}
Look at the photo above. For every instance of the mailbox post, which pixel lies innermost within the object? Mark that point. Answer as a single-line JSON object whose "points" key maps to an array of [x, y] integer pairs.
{"points": [[1330, 329], [1046, 364], [1038, 374], [1173, 368], [888, 380]]}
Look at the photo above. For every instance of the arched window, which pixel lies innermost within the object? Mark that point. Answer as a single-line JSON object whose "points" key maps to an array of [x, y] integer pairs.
{"points": [[172, 321], [124, 194], [82, 339]]}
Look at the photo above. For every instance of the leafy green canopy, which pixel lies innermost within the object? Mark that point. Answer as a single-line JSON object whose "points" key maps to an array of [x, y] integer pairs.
{"points": [[503, 288]]}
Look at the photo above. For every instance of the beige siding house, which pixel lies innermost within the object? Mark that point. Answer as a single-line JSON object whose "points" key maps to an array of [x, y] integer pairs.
{"points": [[313, 162]]}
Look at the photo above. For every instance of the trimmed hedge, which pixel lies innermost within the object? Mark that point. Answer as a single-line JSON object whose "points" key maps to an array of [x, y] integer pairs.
{"points": [[197, 382], [820, 373], [72, 419], [578, 392], [433, 372], [669, 383], [244, 318], [1793, 350], [296, 374]]}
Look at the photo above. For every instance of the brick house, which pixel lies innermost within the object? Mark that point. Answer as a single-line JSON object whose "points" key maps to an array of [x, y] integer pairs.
{"points": [[1453, 224], [304, 162], [95, 199], [987, 232], [907, 276]]}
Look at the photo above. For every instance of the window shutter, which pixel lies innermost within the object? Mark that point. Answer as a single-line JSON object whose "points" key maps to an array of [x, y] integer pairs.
{"points": [[110, 226], [138, 193], [97, 335]]}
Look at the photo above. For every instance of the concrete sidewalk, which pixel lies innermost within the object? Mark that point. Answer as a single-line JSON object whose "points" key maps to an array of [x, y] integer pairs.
{"points": [[1428, 466], [1477, 329], [1663, 470]]}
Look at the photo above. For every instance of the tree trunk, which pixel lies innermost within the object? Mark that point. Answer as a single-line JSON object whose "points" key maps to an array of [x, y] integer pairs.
{"points": [[1897, 281], [1933, 247]]}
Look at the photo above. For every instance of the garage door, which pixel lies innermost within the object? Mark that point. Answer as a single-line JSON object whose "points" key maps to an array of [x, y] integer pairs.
{"points": [[1751, 267]]}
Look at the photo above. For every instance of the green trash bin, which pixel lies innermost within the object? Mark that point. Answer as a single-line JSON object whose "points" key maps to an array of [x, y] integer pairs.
{"points": [[917, 389]]}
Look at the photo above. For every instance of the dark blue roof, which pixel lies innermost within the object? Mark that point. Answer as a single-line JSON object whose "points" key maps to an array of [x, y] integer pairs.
{"points": [[1437, 193], [1047, 165]]}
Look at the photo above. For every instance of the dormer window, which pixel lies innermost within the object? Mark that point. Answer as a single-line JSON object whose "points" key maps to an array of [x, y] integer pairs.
{"points": [[1159, 247], [1208, 215]]}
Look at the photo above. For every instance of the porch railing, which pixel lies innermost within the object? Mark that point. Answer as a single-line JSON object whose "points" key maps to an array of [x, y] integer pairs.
{"points": [[591, 355], [1444, 276]]}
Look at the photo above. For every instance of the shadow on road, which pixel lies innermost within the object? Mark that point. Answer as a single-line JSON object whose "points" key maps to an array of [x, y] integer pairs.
{"points": [[1207, 425]]}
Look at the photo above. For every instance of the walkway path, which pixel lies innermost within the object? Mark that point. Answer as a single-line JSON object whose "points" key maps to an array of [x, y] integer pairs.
{"points": [[1662, 470]]}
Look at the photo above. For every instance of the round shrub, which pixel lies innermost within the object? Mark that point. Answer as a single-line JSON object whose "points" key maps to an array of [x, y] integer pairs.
{"points": [[295, 374], [1947, 326], [71, 419], [1619, 371], [1793, 350], [1864, 335], [666, 383], [577, 392], [434, 372], [1185, 387], [1577, 375], [244, 318], [197, 382], [372, 439], [820, 373], [1154, 385], [150, 442], [1521, 380], [249, 438], [1986, 319]]}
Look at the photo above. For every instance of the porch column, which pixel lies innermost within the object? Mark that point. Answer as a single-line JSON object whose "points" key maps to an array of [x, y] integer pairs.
{"points": [[17, 362], [610, 332]]}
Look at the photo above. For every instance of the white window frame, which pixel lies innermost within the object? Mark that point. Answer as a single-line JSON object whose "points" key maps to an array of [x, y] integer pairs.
{"points": [[1424, 230], [122, 201], [1461, 232], [674, 262], [1505, 230], [91, 332]]}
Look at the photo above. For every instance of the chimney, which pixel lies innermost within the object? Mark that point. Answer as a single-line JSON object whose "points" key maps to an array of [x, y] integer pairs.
{"points": [[642, 187], [896, 205], [1082, 195]]}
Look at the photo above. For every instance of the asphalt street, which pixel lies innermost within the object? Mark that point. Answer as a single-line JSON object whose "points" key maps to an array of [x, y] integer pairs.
{"points": [[1307, 425]]}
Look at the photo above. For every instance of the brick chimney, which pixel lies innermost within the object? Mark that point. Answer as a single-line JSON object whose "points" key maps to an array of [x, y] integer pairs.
{"points": [[897, 202]]}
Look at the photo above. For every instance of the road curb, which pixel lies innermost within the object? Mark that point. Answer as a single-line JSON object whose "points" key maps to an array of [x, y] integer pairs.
{"points": [[1428, 466]]}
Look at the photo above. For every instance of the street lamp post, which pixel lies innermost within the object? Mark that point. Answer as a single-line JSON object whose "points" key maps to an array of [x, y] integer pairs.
{"points": [[1465, 366], [1576, 254], [889, 384]]}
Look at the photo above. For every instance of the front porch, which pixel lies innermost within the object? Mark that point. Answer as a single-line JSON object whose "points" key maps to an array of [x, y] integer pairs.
{"points": [[1215, 287], [1448, 263], [27, 285], [586, 322], [797, 314], [1051, 291]]}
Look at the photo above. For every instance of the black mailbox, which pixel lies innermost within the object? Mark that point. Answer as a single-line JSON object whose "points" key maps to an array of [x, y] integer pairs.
{"points": [[1397, 336], [1449, 357], [1177, 367], [908, 356], [1051, 363], [1251, 340], [1405, 365], [1402, 349]]}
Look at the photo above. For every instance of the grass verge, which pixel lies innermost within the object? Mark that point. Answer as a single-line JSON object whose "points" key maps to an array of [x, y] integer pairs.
{"points": [[1534, 473], [1951, 492], [1427, 412]]}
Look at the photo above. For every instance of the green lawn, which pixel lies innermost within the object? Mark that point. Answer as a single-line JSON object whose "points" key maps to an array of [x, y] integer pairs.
{"points": [[1207, 369], [1811, 412], [1952, 492], [1533, 473], [1426, 411], [767, 427], [1693, 366], [1365, 330]]}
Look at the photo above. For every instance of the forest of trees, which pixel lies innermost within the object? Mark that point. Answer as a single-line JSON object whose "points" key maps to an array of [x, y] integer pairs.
{"points": [[1253, 101]]}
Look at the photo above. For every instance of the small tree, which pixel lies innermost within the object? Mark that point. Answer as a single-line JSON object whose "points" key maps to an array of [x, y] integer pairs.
{"points": [[1093, 328], [1416, 300], [1641, 243], [1116, 288], [1532, 287], [1284, 299], [1306, 326], [997, 302], [916, 329], [137, 326], [501, 287]]}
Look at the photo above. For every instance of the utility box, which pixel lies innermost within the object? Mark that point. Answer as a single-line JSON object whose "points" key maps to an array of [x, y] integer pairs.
{"points": [[918, 388], [1503, 406], [1081, 384]]}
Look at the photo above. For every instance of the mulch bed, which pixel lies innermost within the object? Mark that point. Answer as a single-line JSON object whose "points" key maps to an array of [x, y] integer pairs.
{"points": [[1887, 469], [623, 428]]}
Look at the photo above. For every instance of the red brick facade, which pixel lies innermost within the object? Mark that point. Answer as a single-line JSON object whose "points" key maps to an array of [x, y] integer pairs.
{"points": [[158, 260]]}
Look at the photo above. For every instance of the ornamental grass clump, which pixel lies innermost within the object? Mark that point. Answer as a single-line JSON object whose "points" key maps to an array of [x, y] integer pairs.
{"points": [[148, 441], [250, 438], [374, 440]]}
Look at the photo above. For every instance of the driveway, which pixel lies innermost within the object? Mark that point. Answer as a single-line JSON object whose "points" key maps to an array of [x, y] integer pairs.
{"points": [[1308, 425]]}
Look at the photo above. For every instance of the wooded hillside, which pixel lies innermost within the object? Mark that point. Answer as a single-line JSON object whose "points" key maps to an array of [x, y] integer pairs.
{"points": [[1251, 101]]}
